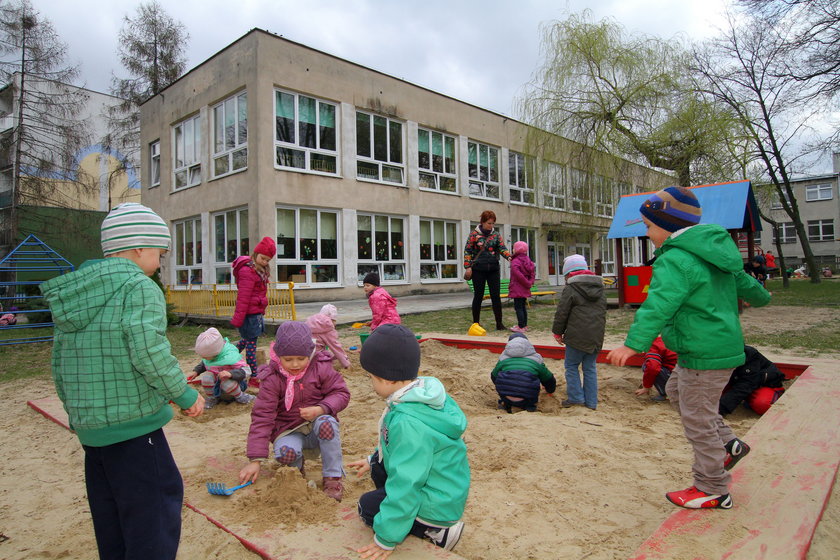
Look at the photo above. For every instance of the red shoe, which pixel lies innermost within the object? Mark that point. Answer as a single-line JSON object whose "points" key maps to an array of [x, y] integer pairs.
{"points": [[693, 498], [333, 487]]}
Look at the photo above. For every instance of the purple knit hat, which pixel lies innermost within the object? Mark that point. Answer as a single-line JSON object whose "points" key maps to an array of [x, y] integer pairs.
{"points": [[293, 339]]}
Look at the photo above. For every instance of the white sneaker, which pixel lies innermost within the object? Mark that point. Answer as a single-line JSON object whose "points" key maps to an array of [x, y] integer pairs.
{"points": [[446, 537]]}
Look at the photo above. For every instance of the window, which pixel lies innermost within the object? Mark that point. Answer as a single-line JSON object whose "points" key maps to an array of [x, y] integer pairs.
{"points": [[787, 233], [607, 250], [436, 159], [154, 163], [381, 241], [307, 246], [379, 142], [580, 194], [554, 194], [188, 252], [483, 165], [230, 135], [820, 230], [527, 235], [521, 178], [230, 230], [777, 204], [604, 196], [438, 250], [187, 153], [306, 133], [818, 192]]}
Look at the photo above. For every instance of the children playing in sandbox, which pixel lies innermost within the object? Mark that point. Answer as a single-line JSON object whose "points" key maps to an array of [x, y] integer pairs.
{"points": [[222, 370]]}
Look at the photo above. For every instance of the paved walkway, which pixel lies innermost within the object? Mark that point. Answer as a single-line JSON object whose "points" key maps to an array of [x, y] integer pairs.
{"points": [[353, 310]]}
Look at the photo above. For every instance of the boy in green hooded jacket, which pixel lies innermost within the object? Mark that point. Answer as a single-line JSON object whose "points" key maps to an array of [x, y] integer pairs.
{"points": [[698, 277]]}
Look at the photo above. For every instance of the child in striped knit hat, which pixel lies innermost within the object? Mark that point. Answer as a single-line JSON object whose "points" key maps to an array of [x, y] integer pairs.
{"points": [[115, 374], [698, 277]]}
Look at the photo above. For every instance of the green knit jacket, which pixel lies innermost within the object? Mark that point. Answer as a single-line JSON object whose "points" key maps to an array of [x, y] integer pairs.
{"points": [[112, 364]]}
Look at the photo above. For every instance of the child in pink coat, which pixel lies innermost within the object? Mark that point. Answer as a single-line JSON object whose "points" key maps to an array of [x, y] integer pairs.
{"points": [[322, 325], [522, 276], [383, 305], [252, 277]]}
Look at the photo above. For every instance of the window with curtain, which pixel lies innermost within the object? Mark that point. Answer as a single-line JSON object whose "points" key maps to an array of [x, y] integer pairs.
{"points": [[186, 140], [230, 135], [187, 251], [230, 240], [438, 250], [436, 160], [306, 133], [379, 149], [381, 246], [307, 246], [520, 178], [483, 170]]}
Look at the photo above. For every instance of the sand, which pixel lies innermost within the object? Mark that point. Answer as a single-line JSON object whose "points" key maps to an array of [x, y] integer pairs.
{"points": [[557, 483]]}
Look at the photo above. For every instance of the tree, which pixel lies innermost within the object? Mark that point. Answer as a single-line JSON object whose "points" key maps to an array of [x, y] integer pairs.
{"points": [[627, 95], [152, 47], [38, 155], [743, 68]]}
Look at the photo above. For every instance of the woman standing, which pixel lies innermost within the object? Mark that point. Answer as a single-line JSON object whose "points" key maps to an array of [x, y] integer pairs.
{"points": [[481, 265]]}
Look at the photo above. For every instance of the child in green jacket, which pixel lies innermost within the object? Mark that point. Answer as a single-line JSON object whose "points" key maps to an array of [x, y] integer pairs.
{"points": [[115, 374], [698, 277], [420, 467]]}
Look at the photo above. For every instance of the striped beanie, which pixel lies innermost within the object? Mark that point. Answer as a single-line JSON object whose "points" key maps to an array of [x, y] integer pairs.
{"points": [[672, 209], [573, 263], [133, 226]]}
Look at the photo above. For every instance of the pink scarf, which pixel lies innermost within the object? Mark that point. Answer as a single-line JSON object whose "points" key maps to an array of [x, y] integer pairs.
{"points": [[289, 397]]}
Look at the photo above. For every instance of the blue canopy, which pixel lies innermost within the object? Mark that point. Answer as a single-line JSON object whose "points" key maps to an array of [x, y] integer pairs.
{"points": [[731, 205]]}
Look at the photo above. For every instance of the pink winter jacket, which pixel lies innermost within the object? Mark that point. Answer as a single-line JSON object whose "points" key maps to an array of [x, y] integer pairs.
{"points": [[251, 297], [320, 385], [323, 330], [383, 306], [522, 276]]}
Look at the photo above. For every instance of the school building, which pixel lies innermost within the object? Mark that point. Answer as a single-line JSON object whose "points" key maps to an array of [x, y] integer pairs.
{"points": [[355, 171]]}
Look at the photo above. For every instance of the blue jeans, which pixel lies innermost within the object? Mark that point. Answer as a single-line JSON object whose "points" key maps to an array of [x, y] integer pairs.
{"points": [[588, 394]]}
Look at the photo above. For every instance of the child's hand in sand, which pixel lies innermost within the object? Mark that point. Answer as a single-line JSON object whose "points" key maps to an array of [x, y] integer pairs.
{"points": [[361, 467], [249, 472], [620, 355], [642, 391], [196, 409], [310, 413], [374, 552]]}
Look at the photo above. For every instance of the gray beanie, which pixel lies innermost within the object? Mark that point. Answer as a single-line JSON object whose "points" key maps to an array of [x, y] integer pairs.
{"points": [[391, 352], [133, 226]]}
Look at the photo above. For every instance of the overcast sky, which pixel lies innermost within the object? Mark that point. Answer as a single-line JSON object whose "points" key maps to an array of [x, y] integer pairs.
{"points": [[479, 51]]}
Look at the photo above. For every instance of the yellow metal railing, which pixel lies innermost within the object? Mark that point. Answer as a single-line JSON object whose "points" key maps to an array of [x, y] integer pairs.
{"points": [[219, 300]]}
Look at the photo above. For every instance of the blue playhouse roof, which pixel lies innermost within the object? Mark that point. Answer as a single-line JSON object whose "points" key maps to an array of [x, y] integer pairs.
{"points": [[731, 205]]}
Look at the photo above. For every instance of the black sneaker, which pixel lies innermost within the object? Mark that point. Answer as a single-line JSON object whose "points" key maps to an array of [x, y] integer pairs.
{"points": [[735, 451], [446, 537]]}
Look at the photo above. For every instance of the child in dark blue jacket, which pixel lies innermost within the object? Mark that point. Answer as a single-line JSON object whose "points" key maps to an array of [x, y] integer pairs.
{"points": [[519, 373]]}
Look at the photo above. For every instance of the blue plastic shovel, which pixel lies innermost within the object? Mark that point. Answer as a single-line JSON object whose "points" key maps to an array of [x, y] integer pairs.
{"points": [[219, 489]]}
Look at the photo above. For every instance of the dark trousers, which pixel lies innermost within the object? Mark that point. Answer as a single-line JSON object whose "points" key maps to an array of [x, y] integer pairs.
{"points": [[135, 493], [520, 305], [661, 380], [370, 502], [492, 280]]}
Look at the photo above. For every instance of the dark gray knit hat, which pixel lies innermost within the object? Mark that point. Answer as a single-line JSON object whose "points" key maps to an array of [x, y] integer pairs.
{"points": [[391, 352], [371, 278]]}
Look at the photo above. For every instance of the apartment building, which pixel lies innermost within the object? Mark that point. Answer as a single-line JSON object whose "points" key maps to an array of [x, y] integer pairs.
{"points": [[355, 171]]}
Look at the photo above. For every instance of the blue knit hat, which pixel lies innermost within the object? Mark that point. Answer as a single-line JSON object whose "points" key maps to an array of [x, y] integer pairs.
{"points": [[672, 209]]}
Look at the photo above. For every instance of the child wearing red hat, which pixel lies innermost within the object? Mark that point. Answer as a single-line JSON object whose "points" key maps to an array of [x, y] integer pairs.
{"points": [[252, 276]]}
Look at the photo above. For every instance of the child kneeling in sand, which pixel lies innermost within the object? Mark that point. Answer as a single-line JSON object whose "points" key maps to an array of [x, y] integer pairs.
{"points": [[300, 397], [420, 467], [519, 373], [222, 369]]}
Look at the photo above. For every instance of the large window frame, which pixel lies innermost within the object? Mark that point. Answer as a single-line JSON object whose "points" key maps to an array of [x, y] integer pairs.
{"points": [[187, 251], [483, 170], [230, 135], [820, 230], [186, 153], [521, 178], [308, 250], [306, 133], [154, 163], [439, 255], [607, 252], [580, 191], [380, 145], [381, 240], [787, 233], [822, 191], [436, 160], [230, 241], [605, 195], [554, 192]]}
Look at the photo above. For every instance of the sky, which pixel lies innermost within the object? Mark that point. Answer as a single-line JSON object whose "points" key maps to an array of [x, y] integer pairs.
{"points": [[479, 51]]}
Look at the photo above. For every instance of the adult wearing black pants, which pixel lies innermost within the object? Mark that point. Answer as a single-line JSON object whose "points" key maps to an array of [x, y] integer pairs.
{"points": [[481, 265]]}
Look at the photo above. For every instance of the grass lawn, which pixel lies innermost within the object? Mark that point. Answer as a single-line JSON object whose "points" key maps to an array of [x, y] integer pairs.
{"points": [[26, 360]]}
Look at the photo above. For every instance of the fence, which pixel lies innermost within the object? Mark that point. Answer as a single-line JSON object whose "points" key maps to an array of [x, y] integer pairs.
{"points": [[219, 300]]}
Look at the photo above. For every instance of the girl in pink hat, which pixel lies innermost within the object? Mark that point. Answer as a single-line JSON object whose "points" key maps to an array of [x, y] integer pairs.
{"points": [[522, 276], [252, 277]]}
